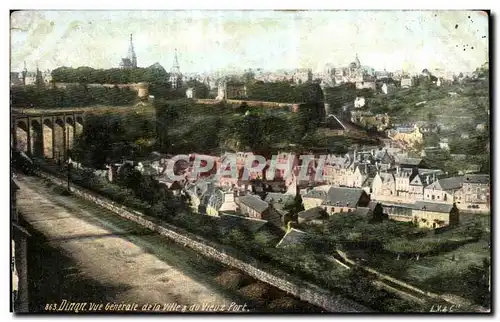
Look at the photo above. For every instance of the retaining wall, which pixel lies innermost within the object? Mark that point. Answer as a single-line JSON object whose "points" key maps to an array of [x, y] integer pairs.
{"points": [[292, 285]]}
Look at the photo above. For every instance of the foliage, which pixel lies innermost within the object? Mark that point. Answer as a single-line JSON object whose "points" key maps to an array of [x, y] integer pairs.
{"points": [[259, 129], [201, 90], [378, 213], [71, 96], [474, 281], [295, 206], [107, 136], [284, 92], [87, 75]]}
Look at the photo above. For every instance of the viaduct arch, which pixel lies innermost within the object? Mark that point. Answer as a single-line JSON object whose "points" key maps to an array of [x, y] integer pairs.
{"points": [[48, 135]]}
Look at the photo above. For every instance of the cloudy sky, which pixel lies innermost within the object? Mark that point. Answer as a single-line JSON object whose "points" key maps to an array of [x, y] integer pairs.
{"points": [[211, 40]]}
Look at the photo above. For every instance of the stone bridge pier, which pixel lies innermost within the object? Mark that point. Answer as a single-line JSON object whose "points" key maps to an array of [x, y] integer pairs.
{"points": [[46, 135]]}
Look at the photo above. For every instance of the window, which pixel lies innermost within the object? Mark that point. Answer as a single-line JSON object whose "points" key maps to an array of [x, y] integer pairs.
{"points": [[341, 210], [433, 197], [438, 197], [446, 198], [348, 210]]}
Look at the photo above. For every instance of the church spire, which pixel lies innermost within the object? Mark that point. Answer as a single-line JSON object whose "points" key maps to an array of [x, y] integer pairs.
{"points": [[175, 73], [358, 63], [175, 67], [131, 53]]}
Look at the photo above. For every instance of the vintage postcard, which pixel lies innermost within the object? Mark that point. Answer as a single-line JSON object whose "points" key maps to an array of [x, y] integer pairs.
{"points": [[250, 161]]}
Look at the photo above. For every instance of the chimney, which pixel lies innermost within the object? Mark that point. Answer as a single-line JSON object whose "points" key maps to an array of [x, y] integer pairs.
{"points": [[427, 180]]}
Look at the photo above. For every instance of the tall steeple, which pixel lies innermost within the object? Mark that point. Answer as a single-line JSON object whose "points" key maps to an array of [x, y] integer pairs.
{"points": [[358, 64], [175, 73], [175, 66], [24, 73], [131, 53]]}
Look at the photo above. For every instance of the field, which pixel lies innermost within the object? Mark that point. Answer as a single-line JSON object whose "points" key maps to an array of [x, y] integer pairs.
{"points": [[448, 272]]}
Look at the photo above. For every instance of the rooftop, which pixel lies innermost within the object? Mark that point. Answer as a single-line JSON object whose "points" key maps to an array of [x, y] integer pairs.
{"points": [[477, 178], [254, 202], [447, 184], [409, 161], [230, 221], [292, 237], [433, 206], [316, 194], [278, 200], [312, 213], [343, 197]]}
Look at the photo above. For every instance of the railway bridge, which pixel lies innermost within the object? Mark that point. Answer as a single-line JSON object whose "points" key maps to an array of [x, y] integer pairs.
{"points": [[45, 134]]}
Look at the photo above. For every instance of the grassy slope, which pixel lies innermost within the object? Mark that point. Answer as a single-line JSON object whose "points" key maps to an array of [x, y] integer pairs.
{"points": [[442, 266]]}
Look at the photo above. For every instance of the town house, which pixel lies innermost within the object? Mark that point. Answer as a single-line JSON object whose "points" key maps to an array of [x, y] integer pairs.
{"points": [[435, 215], [395, 211], [384, 187], [199, 193], [335, 199], [409, 135], [443, 190], [221, 201], [475, 193], [253, 206]]}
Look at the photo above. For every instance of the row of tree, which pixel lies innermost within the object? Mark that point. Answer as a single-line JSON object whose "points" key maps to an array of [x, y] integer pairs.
{"points": [[111, 136], [71, 96], [209, 128], [79, 95], [284, 92], [157, 77], [184, 126], [87, 75]]}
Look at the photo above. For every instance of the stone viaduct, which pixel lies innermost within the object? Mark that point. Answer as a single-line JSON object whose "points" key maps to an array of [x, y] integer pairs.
{"points": [[46, 134]]}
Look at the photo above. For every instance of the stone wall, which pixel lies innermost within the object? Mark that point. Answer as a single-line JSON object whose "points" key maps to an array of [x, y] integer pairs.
{"points": [[290, 284], [291, 106]]}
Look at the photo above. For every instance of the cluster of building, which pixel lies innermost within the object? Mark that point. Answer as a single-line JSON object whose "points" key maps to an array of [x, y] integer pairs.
{"points": [[31, 78], [297, 76], [406, 187], [130, 62]]}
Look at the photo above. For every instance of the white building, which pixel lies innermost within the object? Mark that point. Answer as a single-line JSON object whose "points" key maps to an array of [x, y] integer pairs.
{"points": [[359, 102]]}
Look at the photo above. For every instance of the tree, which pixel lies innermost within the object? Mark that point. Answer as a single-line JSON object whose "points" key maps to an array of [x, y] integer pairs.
{"points": [[378, 213], [295, 206]]}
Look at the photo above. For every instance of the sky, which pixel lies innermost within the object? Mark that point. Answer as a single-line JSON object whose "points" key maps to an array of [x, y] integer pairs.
{"points": [[236, 40]]}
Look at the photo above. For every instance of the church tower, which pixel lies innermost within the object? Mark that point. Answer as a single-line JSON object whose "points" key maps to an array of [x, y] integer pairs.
{"points": [[38, 76], [24, 73], [131, 53], [358, 63], [175, 73], [131, 60]]}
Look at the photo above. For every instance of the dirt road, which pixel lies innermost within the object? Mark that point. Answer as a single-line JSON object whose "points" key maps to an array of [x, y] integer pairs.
{"points": [[83, 253]]}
